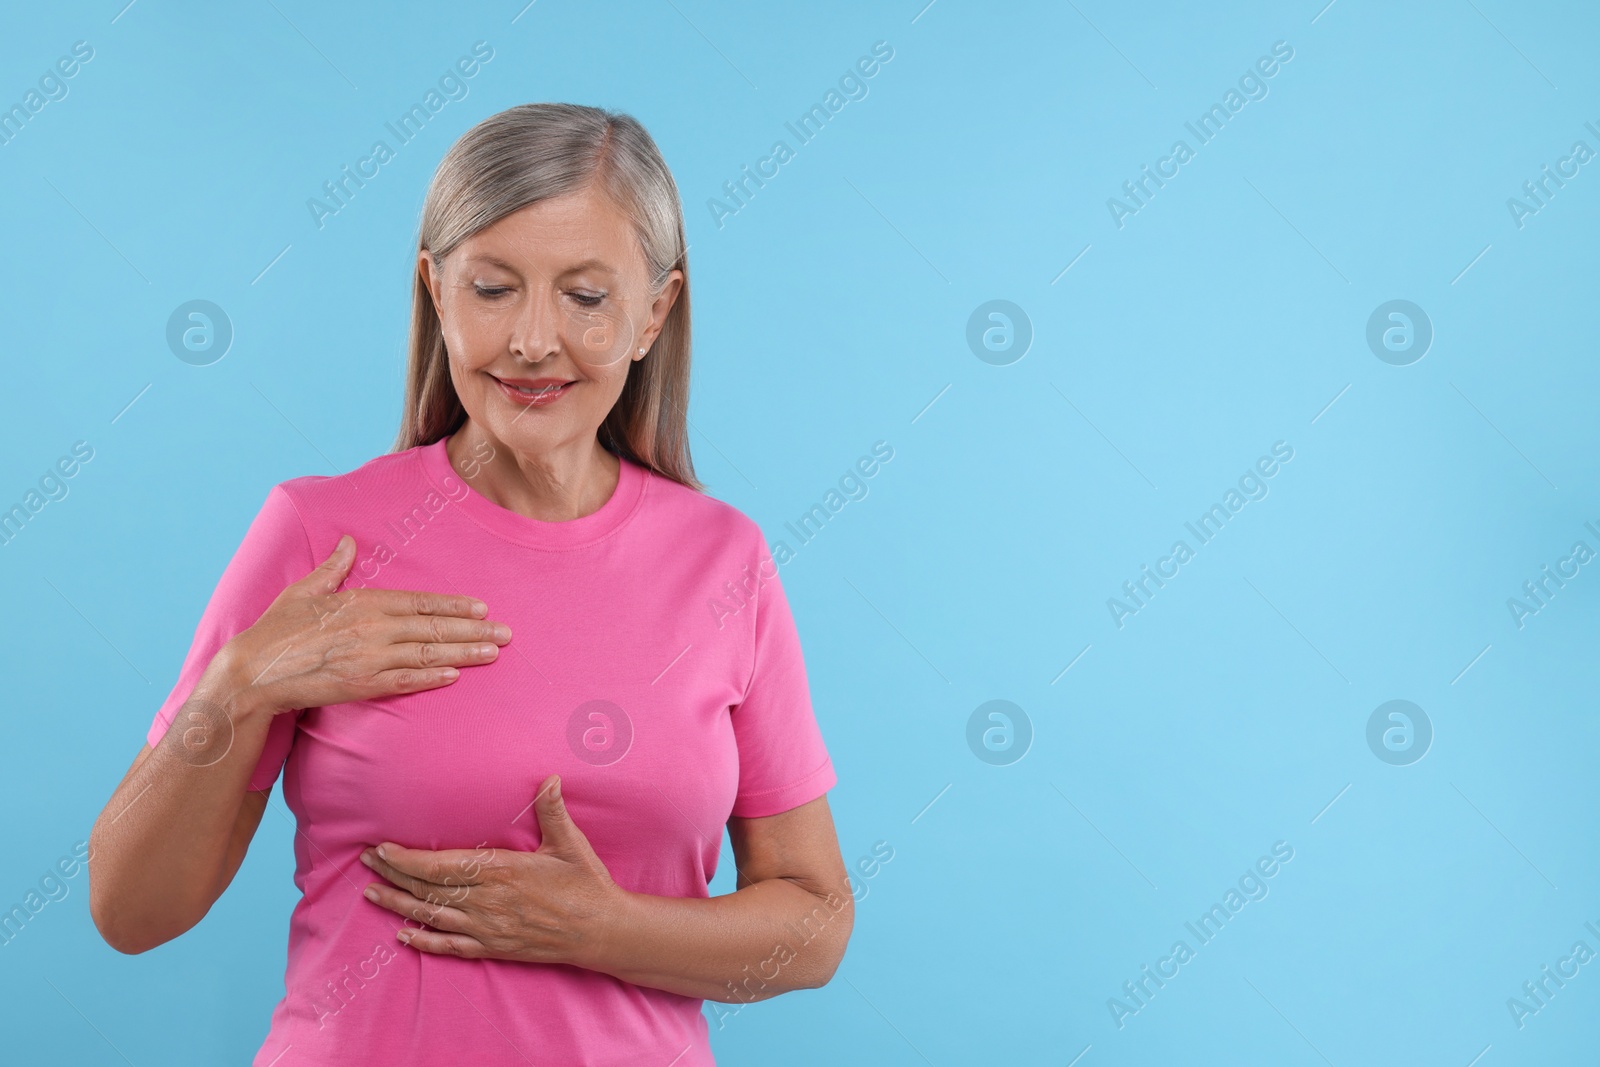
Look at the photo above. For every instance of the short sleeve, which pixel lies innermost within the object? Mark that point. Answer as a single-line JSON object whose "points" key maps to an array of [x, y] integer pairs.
{"points": [[783, 762], [274, 553]]}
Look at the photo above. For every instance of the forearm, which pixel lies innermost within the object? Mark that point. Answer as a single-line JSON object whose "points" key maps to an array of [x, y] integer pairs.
{"points": [[770, 937], [165, 846]]}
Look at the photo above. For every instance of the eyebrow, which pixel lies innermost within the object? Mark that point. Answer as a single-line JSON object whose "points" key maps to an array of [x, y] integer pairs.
{"points": [[589, 264]]}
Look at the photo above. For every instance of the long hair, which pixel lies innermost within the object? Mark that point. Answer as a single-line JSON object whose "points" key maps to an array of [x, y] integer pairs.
{"points": [[518, 157]]}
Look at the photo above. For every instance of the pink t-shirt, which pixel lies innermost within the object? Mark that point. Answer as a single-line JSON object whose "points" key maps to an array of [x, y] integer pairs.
{"points": [[653, 664]]}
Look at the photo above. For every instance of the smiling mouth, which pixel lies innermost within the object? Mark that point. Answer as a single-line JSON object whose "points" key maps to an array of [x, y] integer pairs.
{"points": [[548, 390], [536, 393]]}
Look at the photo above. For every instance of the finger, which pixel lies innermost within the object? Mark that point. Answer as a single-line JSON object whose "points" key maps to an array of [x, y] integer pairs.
{"points": [[412, 680], [441, 944], [557, 831], [462, 865], [326, 576], [444, 628], [425, 654], [416, 602], [438, 896], [438, 916], [422, 871]]}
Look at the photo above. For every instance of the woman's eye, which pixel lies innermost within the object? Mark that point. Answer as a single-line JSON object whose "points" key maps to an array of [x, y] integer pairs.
{"points": [[490, 290], [586, 299]]}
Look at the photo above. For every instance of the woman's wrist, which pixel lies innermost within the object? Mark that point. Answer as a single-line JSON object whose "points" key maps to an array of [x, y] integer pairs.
{"points": [[613, 925], [227, 684]]}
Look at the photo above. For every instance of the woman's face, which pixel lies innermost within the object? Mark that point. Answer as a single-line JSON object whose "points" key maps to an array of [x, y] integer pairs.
{"points": [[543, 313]]}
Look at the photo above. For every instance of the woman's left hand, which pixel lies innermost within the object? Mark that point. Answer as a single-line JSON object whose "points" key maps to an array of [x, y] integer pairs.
{"points": [[547, 906]]}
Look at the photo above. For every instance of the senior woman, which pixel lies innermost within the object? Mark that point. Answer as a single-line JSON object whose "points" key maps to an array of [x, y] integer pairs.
{"points": [[517, 673]]}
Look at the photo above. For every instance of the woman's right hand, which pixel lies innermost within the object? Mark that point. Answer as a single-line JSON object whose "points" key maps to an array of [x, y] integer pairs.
{"points": [[314, 647]]}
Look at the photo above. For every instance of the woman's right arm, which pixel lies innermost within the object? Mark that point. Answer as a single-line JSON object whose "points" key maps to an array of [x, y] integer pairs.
{"points": [[176, 829]]}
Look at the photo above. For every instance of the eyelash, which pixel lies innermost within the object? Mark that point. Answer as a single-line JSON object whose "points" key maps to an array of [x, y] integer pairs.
{"points": [[491, 292]]}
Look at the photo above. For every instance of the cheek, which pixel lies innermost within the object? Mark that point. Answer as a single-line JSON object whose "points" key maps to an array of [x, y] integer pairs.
{"points": [[601, 388], [601, 391], [469, 384], [471, 340]]}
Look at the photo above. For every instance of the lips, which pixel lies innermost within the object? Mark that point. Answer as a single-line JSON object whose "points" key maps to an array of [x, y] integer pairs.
{"points": [[534, 390]]}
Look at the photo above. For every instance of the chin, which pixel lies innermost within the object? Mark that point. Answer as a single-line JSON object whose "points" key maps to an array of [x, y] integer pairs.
{"points": [[530, 432]]}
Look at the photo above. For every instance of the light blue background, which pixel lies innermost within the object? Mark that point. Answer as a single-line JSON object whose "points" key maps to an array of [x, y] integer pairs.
{"points": [[1228, 314]]}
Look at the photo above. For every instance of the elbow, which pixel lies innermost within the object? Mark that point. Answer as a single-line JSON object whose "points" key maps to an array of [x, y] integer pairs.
{"points": [[103, 910], [830, 968], [807, 962], [123, 945], [102, 905], [114, 910], [128, 938], [832, 963], [832, 955], [104, 917], [110, 921]]}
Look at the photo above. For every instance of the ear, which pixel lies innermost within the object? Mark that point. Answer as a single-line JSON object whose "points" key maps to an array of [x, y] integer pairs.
{"points": [[658, 311], [428, 268]]}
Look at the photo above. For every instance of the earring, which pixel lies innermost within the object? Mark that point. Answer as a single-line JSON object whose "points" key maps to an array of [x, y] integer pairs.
{"points": [[641, 351]]}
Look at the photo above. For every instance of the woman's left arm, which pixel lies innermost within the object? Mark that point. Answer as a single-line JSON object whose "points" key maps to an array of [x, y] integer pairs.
{"points": [[784, 927]]}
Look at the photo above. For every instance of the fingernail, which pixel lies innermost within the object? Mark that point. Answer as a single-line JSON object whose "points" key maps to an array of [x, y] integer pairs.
{"points": [[370, 893], [383, 853], [366, 857], [479, 608], [555, 790], [404, 934]]}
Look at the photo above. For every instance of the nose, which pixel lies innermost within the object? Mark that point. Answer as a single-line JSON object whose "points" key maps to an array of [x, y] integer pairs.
{"points": [[536, 331]]}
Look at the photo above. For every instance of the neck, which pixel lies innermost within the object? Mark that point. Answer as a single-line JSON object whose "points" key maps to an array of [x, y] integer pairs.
{"points": [[565, 482]]}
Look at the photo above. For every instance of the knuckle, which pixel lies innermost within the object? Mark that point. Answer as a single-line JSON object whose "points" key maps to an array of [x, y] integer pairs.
{"points": [[340, 660], [427, 654]]}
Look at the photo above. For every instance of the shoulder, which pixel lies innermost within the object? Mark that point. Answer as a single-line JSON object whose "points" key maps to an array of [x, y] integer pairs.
{"points": [[355, 490], [676, 505]]}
